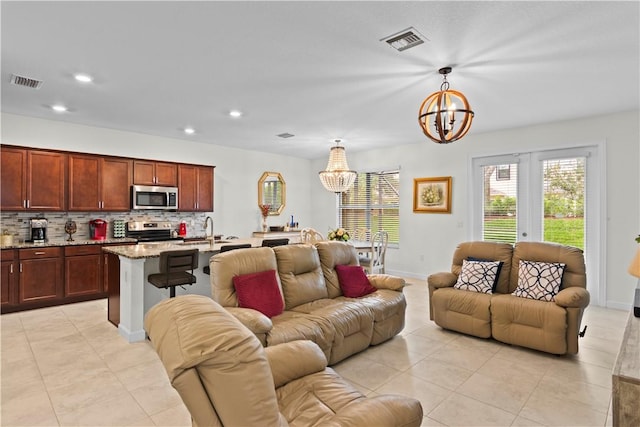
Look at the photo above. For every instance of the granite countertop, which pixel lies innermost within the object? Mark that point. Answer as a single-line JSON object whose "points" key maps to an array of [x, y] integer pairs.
{"points": [[75, 242], [151, 250]]}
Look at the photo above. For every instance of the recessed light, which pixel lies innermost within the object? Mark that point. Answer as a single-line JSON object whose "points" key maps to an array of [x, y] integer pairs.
{"points": [[235, 113], [59, 108], [189, 131], [83, 78]]}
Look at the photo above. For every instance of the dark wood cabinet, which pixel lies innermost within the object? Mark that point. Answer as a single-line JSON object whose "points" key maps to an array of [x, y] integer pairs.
{"points": [[41, 272], [9, 278], [155, 173], [112, 286], [98, 183], [83, 270], [32, 180], [195, 188]]}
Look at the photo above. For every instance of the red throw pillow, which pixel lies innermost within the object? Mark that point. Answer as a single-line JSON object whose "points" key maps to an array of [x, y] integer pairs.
{"points": [[353, 281], [259, 291]]}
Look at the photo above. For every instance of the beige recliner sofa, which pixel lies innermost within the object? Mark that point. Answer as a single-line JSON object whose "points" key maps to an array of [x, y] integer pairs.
{"points": [[314, 307], [226, 378], [550, 326]]}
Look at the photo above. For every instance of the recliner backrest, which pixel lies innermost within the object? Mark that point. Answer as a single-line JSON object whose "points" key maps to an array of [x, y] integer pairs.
{"points": [[300, 274], [334, 253], [573, 258], [490, 251]]}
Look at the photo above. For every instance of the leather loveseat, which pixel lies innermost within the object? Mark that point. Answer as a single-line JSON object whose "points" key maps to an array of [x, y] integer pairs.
{"points": [[226, 378], [550, 325], [314, 305]]}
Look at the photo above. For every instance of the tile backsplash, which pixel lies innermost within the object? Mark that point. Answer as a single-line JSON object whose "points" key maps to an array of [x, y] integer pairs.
{"points": [[17, 223]]}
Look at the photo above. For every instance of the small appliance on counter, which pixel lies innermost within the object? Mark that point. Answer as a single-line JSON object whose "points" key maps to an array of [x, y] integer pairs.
{"points": [[182, 230], [98, 229], [38, 230]]}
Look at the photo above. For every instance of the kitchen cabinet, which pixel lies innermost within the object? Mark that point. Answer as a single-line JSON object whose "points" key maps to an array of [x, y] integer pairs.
{"points": [[155, 173], [41, 273], [99, 183], [32, 179], [8, 278], [83, 270], [112, 285], [195, 188]]}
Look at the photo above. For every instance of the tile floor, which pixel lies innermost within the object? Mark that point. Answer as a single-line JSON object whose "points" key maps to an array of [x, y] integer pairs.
{"points": [[68, 366]]}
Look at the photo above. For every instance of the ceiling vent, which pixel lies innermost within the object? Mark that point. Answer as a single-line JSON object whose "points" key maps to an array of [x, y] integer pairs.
{"points": [[286, 135], [25, 81], [405, 39]]}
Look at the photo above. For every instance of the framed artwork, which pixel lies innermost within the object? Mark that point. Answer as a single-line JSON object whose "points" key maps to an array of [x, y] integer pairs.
{"points": [[432, 195]]}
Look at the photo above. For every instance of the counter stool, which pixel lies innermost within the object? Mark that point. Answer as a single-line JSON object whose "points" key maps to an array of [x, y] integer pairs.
{"points": [[174, 270], [272, 243], [207, 270]]}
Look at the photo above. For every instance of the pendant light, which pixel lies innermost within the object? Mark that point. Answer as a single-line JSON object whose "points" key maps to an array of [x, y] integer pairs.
{"points": [[337, 177], [445, 116]]}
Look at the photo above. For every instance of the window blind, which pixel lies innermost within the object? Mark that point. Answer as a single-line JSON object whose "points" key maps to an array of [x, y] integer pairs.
{"points": [[372, 204]]}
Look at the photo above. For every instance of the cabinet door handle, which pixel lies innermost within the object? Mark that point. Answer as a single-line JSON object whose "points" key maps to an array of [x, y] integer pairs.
{"points": [[39, 253], [11, 269], [28, 203], [20, 267], [24, 203]]}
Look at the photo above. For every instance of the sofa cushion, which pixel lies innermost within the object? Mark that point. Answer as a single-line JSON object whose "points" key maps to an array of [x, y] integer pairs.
{"points": [[490, 251], [353, 281], [539, 280], [259, 291], [478, 276], [466, 312], [334, 253], [300, 274]]}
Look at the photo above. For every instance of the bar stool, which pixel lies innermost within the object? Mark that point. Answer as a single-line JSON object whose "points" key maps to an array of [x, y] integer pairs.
{"points": [[272, 243], [174, 270]]}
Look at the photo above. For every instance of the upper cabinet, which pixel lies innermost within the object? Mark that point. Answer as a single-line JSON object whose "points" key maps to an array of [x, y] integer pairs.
{"points": [[32, 180], [195, 188], [98, 183], [155, 173]]}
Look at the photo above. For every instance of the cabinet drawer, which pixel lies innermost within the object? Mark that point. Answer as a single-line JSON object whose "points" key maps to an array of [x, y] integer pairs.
{"points": [[82, 250], [34, 253], [7, 254]]}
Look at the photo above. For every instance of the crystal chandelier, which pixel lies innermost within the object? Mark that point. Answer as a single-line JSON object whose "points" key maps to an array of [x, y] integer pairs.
{"points": [[337, 177], [451, 121]]}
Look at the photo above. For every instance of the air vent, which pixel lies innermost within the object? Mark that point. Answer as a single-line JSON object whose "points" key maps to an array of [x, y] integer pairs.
{"points": [[405, 39], [25, 81], [286, 135]]}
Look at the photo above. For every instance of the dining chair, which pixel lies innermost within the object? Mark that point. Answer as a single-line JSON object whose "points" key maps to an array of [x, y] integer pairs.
{"points": [[373, 262], [176, 269], [310, 235]]}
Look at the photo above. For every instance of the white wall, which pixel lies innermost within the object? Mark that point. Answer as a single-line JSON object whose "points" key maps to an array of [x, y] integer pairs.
{"points": [[236, 173], [427, 241]]}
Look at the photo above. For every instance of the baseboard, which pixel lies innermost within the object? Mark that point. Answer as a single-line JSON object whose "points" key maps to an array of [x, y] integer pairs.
{"points": [[406, 274], [619, 305]]}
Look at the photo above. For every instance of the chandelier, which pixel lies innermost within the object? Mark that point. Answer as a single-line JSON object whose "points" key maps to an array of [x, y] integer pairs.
{"points": [[449, 111], [337, 177]]}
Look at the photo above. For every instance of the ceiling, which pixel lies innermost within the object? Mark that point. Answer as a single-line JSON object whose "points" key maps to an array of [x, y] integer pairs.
{"points": [[317, 70]]}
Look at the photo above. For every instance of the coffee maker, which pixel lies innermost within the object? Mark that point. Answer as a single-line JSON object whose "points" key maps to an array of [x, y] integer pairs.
{"points": [[98, 229], [38, 230]]}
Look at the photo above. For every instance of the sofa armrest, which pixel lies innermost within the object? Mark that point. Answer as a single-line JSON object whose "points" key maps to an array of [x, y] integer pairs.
{"points": [[383, 410], [442, 280], [255, 321], [386, 281], [573, 297], [293, 360]]}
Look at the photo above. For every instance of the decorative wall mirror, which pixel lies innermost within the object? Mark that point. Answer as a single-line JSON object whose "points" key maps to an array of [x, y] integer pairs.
{"points": [[272, 191]]}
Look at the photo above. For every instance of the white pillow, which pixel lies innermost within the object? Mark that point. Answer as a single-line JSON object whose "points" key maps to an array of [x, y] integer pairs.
{"points": [[539, 280], [478, 276]]}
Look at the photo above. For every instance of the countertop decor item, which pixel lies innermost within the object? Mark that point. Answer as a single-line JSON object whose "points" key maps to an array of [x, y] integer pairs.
{"points": [[264, 210], [337, 177], [339, 234], [70, 228], [7, 238], [437, 114]]}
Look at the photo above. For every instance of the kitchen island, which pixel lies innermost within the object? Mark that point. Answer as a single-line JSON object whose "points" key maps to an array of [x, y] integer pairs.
{"points": [[136, 296]]}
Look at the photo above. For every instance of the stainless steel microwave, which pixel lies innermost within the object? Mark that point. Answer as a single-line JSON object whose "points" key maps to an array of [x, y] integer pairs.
{"points": [[154, 197]]}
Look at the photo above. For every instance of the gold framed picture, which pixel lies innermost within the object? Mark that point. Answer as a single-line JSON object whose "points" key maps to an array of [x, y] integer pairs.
{"points": [[432, 195]]}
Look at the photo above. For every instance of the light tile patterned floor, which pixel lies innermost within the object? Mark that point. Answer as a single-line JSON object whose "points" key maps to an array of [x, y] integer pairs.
{"points": [[68, 366]]}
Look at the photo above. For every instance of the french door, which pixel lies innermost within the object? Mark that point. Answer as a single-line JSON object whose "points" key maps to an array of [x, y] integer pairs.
{"points": [[550, 196]]}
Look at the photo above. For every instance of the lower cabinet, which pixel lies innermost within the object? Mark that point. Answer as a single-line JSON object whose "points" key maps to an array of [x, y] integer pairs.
{"points": [[42, 277], [83, 270]]}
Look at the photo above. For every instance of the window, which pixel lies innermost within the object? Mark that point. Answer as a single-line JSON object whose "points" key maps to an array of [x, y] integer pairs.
{"points": [[372, 204]]}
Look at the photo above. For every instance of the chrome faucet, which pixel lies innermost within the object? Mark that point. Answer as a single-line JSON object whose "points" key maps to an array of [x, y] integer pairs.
{"points": [[206, 221]]}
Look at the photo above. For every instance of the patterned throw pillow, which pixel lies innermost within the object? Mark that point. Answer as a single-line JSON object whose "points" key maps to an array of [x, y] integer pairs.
{"points": [[539, 280], [478, 276]]}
